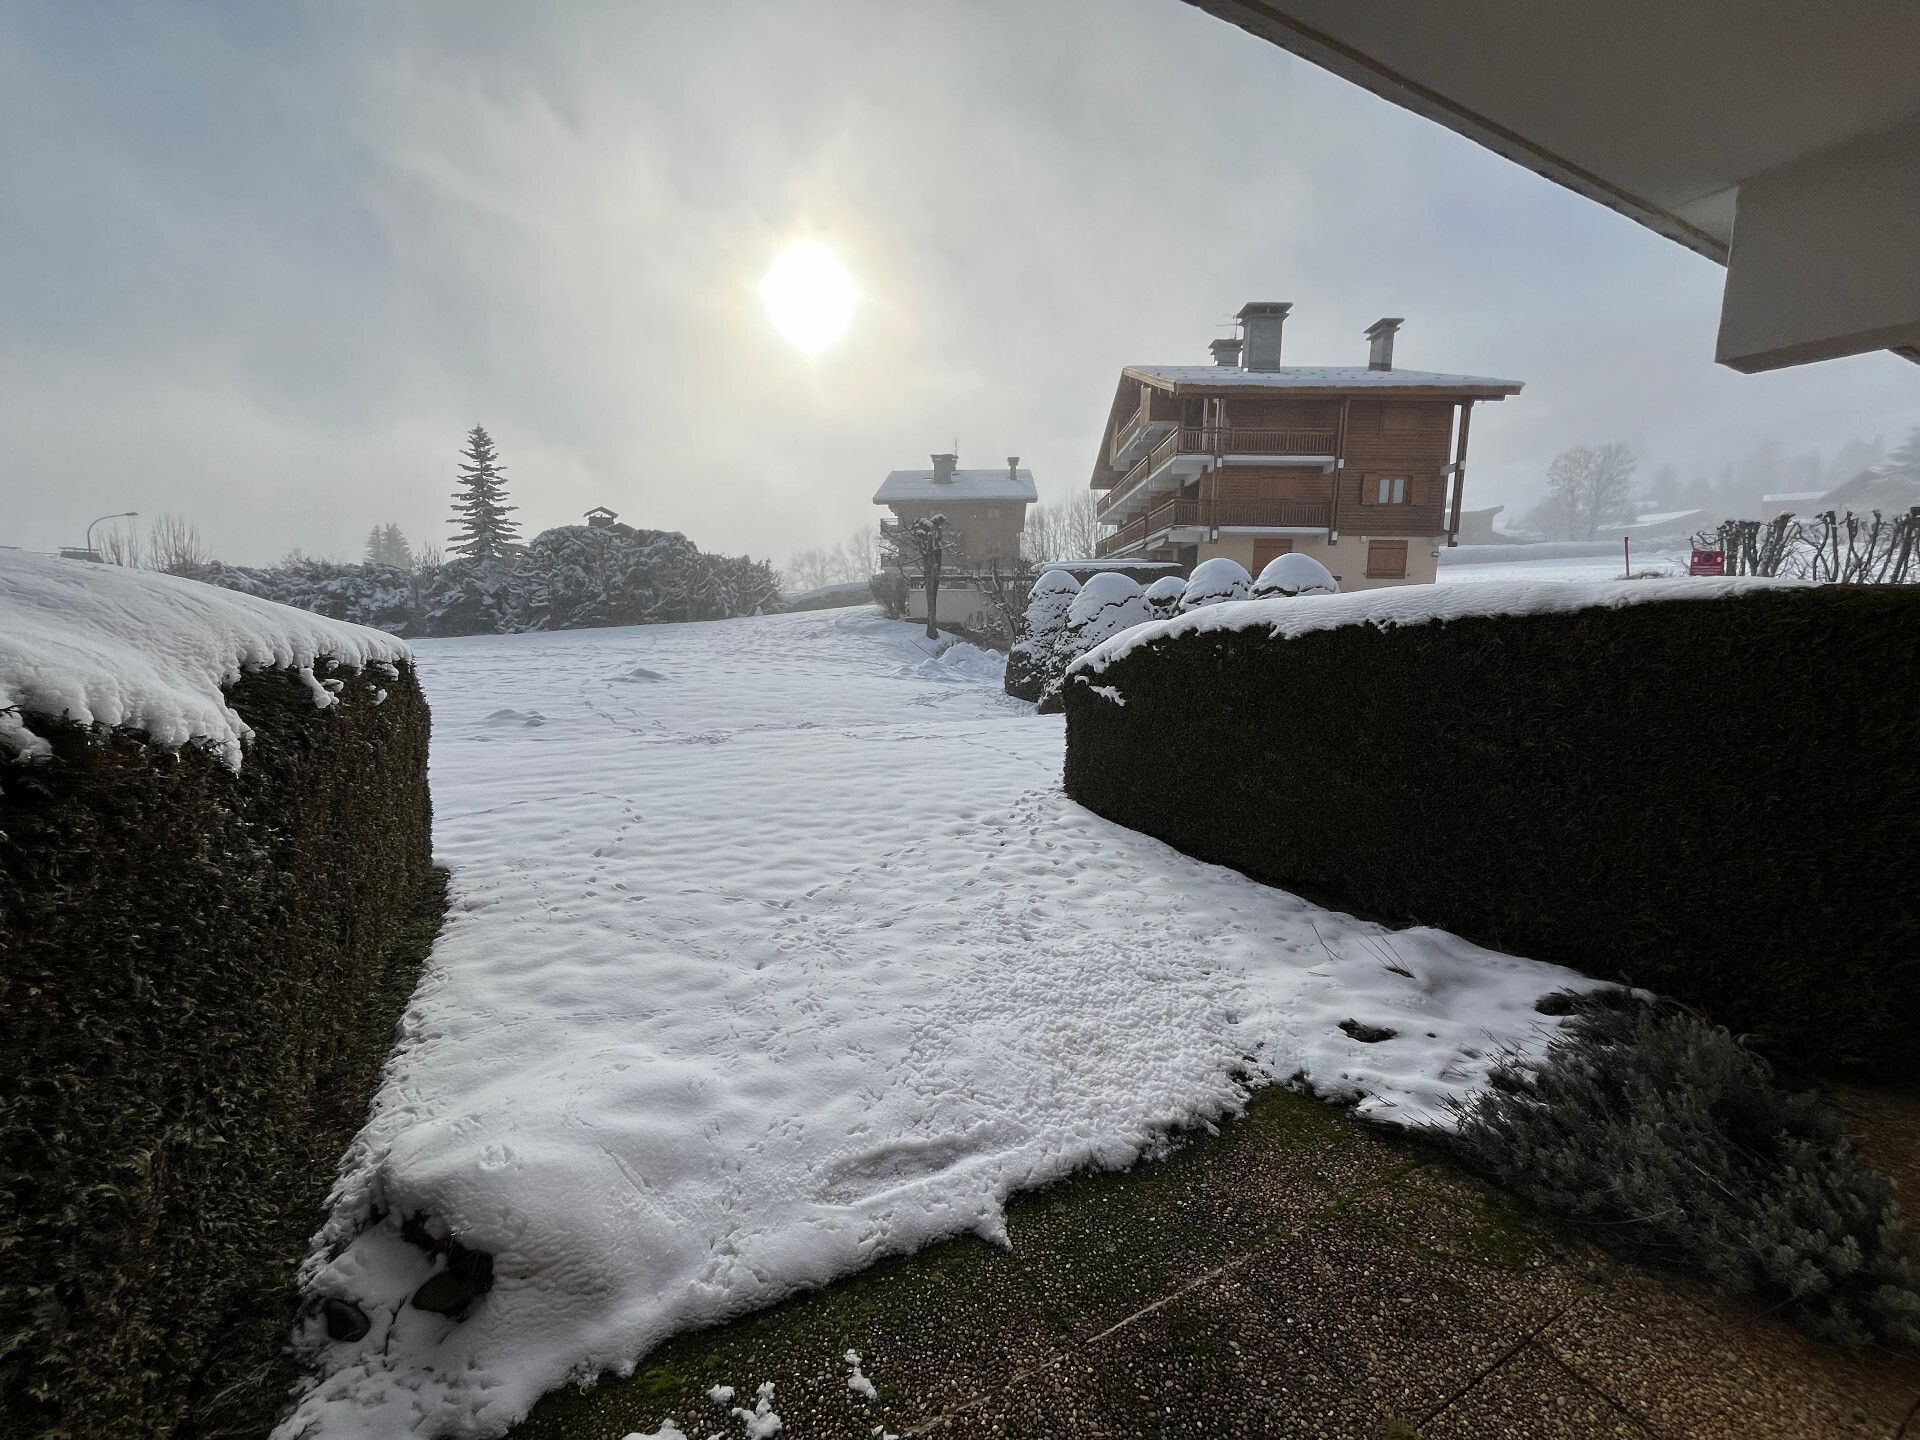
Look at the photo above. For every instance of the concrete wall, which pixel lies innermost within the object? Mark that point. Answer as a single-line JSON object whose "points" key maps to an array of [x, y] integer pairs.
{"points": [[961, 602], [1347, 560]]}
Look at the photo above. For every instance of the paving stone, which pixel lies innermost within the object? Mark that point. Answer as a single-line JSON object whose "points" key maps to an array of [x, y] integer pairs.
{"points": [[1212, 1363], [1399, 1302], [1696, 1367], [1531, 1396], [1097, 1250]]}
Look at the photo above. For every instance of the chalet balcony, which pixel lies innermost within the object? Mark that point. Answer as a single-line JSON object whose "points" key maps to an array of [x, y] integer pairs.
{"points": [[1170, 515], [1187, 450]]}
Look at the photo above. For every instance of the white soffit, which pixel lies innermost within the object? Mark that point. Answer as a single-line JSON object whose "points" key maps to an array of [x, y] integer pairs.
{"points": [[1799, 122]]}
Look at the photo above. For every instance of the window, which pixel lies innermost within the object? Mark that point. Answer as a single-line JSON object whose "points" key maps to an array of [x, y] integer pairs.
{"points": [[1388, 490], [992, 514], [1387, 560]]}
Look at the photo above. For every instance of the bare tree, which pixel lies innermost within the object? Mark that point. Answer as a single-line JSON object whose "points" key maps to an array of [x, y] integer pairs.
{"points": [[863, 552], [174, 545], [1587, 487], [809, 570], [920, 545], [1068, 530], [121, 545]]}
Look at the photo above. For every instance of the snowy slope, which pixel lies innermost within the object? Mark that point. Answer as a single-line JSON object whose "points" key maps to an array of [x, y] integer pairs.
{"points": [[776, 948], [116, 647]]}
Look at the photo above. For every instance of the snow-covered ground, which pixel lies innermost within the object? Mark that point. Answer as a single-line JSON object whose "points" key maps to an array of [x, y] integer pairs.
{"points": [[775, 947], [1610, 566]]}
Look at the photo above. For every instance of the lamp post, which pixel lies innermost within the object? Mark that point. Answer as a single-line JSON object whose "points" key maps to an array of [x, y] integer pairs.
{"points": [[122, 515]]}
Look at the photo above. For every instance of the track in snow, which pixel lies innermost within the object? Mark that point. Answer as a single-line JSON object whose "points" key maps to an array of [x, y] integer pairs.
{"points": [[775, 947]]}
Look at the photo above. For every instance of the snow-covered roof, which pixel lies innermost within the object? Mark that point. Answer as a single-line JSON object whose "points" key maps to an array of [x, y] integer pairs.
{"points": [[1788, 497], [105, 645], [1318, 377], [965, 485], [1417, 604]]}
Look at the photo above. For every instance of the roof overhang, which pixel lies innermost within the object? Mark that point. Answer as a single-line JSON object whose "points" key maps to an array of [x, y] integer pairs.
{"points": [[1779, 138], [1233, 381]]}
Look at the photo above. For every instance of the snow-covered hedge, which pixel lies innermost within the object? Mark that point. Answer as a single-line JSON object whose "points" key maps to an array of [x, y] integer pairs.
{"points": [[214, 835], [567, 578], [1107, 605], [1707, 787], [1036, 660]]}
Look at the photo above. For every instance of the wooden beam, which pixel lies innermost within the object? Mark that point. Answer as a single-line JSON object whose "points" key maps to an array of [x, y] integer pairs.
{"points": [[1339, 468], [1459, 472]]}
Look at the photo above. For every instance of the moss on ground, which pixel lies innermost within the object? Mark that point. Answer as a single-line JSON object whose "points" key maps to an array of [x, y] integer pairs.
{"points": [[938, 1328]]}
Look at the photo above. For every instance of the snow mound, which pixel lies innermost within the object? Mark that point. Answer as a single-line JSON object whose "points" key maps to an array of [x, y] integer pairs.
{"points": [[1163, 596], [108, 646], [1294, 574], [1056, 582], [1419, 605], [1214, 581]]}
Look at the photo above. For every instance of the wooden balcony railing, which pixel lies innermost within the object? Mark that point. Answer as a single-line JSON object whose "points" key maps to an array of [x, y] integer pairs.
{"points": [[1208, 440], [1127, 429], [1177, 513]]}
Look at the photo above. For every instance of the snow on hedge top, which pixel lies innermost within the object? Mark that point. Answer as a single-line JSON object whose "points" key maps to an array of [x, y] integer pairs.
{"points": [[1215, 582], [108, 646], [1295, 574], [1416, 605]]}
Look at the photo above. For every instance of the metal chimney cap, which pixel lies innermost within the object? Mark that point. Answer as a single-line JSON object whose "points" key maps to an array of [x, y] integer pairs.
{"points": [[1388, 323], [1263, 307]]}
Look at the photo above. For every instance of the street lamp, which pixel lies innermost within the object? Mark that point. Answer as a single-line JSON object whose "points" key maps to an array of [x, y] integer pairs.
{"points": [[123, 515]]}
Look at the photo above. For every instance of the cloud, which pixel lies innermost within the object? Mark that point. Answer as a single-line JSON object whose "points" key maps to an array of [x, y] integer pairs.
{"points": [[265, 265]]}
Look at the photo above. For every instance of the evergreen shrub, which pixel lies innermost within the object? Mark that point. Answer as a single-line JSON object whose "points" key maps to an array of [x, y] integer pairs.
{"points": [[202, 972], [1658, 1135]]}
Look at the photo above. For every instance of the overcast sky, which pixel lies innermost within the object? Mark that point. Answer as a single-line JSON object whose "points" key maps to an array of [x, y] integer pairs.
{"points": [[262, 265]]}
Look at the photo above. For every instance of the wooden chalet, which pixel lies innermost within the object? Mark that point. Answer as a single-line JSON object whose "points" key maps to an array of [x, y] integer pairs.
{"points": [[1361, 467]]}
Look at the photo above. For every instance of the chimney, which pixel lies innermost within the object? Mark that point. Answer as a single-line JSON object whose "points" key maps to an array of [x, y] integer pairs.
{"points": [[1227, 353], [943, 468], [1260, 322], [1013, 467], [1381, 332]]}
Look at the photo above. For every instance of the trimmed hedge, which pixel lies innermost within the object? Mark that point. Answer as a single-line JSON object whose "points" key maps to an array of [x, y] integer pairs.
{"points": [[201, 976], [1715, 799]]}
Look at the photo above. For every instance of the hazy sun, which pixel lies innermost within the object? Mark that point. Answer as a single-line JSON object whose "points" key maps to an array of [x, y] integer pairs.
{"points": [[809, 296]]}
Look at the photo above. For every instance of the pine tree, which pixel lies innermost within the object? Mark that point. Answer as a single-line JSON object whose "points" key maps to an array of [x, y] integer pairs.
{"points": [[376, 546], [1905, 460], [394, 548], [481, 528]]}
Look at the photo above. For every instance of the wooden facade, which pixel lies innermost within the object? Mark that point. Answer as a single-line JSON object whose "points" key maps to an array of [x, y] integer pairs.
{"points": [[1205, 460]]}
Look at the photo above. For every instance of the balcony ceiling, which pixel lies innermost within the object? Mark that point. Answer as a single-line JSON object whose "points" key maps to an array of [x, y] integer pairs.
{"points": [[1794, 125]]}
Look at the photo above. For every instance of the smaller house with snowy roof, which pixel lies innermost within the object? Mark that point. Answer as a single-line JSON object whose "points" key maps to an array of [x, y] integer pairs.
{"points": [[986, 514], [986, 510]]}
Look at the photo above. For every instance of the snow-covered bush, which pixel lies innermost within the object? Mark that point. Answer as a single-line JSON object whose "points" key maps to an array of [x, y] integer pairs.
{"points": [[1213, 582], [1662, 1137], [1163, 596], [567, 578], [466, 597], [1035, 661], [1107, 604], [889, 590], [1294, 574]]}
